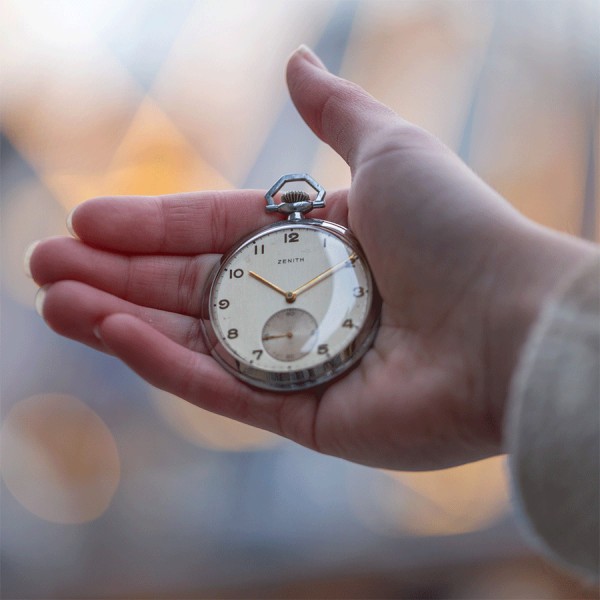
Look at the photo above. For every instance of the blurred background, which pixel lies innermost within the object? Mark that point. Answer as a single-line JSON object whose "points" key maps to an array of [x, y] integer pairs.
{"points": [[112, 489]]}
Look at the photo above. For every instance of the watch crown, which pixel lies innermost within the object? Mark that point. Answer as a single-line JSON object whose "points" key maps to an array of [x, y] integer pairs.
{"points": [[295, 196], [295, 203]]}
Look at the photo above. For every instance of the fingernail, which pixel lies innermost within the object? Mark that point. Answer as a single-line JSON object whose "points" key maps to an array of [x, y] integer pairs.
{"points": [[70, 223], [27, 258], [96, 332], [304, 51], [40, 297]]}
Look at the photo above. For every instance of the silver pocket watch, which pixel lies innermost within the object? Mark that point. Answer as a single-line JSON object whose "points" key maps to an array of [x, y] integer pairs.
{"points": [[294, 304]]}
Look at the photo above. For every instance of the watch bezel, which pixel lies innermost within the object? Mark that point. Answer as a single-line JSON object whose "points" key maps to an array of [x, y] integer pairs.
{"points": [[296, 379]]}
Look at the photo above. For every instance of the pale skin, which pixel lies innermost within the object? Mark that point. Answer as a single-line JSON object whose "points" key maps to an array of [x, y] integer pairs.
{"points": [[462, 275]]}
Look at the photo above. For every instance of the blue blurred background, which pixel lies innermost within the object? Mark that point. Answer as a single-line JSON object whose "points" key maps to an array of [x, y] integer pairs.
{"points": [[113, 489]]}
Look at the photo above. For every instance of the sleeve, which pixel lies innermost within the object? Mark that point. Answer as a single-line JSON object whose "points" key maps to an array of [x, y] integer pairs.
{"points": [[553, 426]]}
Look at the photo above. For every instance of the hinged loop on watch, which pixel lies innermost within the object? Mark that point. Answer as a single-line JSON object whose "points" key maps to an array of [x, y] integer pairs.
{"points": [[295, 204]]}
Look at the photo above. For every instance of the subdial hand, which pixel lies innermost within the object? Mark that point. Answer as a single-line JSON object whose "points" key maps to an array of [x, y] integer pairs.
{"points": [[324, 275], [289, 334], [289, 296]]}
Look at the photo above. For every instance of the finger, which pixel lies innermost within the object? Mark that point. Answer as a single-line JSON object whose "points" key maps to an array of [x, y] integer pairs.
{"points": [[172, 367], [341, 113], [200, 380], [168, 283], [194, 223], [75, 310]]}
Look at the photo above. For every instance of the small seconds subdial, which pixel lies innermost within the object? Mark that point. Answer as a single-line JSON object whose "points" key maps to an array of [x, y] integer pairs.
{"points": [[290, 334]]}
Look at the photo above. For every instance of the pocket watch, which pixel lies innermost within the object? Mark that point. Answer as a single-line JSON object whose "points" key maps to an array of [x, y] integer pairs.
{"points": [[294, 304]]}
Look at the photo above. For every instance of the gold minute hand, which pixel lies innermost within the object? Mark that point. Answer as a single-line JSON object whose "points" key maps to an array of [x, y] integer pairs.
{"points": [[324, 275]]}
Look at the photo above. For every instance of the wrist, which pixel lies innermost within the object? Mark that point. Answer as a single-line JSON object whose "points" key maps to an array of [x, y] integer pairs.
{"points": [[529, 268]]}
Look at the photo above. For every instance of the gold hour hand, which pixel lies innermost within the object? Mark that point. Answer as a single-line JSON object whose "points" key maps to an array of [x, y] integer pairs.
{"points": [[289, 296], [324, 275]]}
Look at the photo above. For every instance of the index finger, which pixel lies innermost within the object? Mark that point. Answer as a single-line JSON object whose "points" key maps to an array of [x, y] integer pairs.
{"points": [[190, 223]]}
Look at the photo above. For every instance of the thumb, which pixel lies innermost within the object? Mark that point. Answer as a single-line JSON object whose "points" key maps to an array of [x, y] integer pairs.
{"points": [[338, 111]]}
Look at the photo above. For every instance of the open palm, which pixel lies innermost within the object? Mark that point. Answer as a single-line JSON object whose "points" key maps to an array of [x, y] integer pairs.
{"points": [[422, 396]]}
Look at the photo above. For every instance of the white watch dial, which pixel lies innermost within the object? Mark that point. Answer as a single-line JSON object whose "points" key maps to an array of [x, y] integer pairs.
{"points": [[290, 299]]}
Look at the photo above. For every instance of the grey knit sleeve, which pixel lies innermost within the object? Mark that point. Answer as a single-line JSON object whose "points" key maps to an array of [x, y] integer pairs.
{"points": [[553, 425]]}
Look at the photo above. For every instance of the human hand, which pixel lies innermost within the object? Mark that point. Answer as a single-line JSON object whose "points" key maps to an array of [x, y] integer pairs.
{"points": [[461, 274]]}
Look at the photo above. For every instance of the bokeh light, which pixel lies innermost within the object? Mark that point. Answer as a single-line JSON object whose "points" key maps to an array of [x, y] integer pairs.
{"points": [[59, 459], [452, 501], [209, 430]]}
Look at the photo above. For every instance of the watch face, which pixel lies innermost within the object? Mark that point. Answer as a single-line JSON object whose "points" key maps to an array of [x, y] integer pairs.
{"points": [[292, 306]]}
